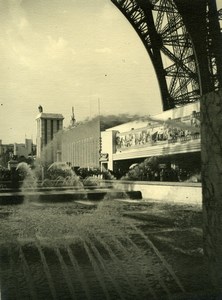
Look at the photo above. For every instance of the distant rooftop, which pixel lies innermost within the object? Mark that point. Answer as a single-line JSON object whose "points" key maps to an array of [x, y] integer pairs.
{"points": [[49, 116]]}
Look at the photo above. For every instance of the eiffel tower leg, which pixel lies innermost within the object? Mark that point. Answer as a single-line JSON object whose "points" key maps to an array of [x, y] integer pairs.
{"points": [[211, 139]]}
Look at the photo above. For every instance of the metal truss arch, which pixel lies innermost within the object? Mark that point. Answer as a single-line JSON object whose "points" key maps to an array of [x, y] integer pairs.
{"points": [[176, 35]]}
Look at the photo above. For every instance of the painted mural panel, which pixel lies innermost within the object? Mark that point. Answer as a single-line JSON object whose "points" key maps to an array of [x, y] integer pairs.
{"points": [[156, 132]]}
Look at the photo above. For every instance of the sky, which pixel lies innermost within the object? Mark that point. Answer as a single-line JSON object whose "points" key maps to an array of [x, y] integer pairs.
{"points": [[64, 53], [60, 54]]}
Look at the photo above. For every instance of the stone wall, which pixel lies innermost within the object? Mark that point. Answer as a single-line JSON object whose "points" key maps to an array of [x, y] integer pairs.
{"points": [[176, 192]]}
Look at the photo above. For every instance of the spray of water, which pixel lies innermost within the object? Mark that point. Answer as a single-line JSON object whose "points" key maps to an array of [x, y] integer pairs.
{"points": [[63, 175], [29, 180]]}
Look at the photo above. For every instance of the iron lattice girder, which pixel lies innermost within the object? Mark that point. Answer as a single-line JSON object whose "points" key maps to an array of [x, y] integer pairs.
{"points": [[179, 40], [160, 39], [169, 28], [179, 63], [183, 86], [172, 26], [192, 95], [174, 71]]}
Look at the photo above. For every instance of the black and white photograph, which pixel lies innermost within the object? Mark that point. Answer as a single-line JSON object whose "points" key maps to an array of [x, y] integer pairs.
{"points": [[110, 149]]}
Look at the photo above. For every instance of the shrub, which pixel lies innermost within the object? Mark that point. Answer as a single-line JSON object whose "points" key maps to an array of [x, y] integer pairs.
{"points": [[5, 174], [147, 170], [194, 178], [91, 181], [88, 172], [53, 173], [107, 175]]}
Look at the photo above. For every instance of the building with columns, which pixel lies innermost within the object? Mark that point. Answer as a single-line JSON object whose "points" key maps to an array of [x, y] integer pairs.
{"points": [[48, 127]]}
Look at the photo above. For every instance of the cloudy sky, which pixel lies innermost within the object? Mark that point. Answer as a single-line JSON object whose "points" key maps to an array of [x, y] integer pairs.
{"points": [[69, 53]]}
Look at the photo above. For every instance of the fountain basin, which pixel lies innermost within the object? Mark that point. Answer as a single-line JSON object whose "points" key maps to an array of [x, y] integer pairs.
{"points": [[13, 196]]}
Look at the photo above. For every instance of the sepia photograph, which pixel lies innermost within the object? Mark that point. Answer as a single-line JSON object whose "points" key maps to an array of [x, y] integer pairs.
{"points": [[110, 149]]}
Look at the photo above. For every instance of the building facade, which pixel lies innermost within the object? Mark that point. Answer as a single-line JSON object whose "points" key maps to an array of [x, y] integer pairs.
{"points": [[6, 153], [24, 150], [80, 145], [48, 127], [173, 135], [6, 148]]}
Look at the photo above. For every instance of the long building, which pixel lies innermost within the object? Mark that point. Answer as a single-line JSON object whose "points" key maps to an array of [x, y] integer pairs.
{"points": [[173, 135], [80, 145]]}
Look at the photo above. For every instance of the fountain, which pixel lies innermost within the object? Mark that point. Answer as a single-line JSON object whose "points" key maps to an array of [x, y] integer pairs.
{"points": [[60, 184], [29, 181], [68, 251], [62, 175], [76, 250]]}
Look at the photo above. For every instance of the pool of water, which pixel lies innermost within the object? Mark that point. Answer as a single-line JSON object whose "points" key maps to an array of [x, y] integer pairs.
{"points": [[84, 250]]}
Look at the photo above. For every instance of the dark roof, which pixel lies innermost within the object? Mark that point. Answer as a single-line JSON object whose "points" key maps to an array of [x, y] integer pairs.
{"points": [[49, 116]]}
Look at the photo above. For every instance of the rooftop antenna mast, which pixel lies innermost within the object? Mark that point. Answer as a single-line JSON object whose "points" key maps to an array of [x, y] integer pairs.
{"points": [[73, 120]]}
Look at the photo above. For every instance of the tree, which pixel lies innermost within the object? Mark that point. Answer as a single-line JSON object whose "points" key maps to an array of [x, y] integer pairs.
{"points": [[5, 157]]}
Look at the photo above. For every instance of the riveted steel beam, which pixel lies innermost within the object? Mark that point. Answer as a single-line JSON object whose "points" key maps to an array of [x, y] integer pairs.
{"points": [[183, 41]]}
